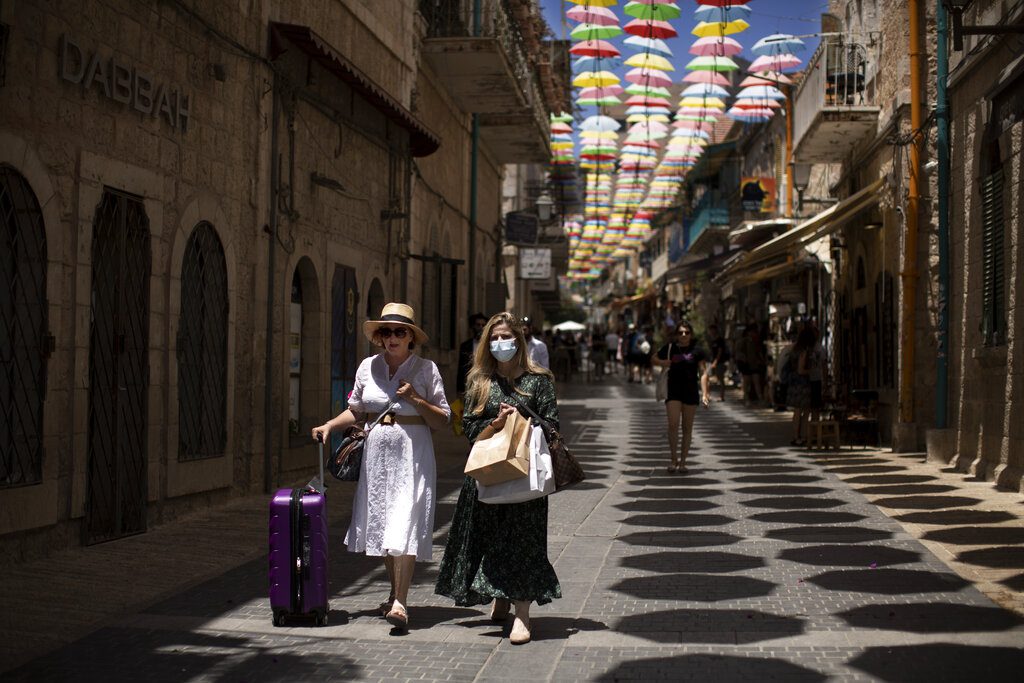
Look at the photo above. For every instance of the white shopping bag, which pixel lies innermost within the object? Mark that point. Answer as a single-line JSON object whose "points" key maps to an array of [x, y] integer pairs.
{"points": [[539, 483]]}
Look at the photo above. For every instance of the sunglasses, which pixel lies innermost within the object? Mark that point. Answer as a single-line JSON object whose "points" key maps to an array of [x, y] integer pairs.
{"points": [[682, 332], [386, 332]]}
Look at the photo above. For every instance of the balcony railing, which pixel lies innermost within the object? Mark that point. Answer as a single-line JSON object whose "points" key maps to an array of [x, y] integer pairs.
{"points": [[835, 105], [710, 210]]}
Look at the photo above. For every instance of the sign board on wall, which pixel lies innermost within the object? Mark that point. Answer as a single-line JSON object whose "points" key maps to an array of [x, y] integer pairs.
{"points": [[534, 264], [521, 228], [758, 194]]}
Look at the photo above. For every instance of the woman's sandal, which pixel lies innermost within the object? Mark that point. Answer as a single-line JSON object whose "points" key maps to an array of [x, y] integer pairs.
{"points": [[385, 606], [520, 634], [500, 609], [398, 617]]}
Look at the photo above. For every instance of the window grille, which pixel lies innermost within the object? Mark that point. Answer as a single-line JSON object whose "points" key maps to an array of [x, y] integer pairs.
{"points": [[202, 348], [993, 292], [25, 342]]}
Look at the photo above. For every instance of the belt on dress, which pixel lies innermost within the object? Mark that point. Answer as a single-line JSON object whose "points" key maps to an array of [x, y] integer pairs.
{"points": [[391, 419]]}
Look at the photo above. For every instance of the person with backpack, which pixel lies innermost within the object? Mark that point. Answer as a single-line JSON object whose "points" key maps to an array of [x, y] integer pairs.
{"points": [[797, 372]]}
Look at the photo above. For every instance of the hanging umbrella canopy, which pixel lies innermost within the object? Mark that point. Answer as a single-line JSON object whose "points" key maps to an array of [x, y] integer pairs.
{"points": [[637, 118], [595, 64], [778, 44], [705, 102], [601, 92], [692, 133], [649, 44], [600, 123], [705, 89], [595, 48], [766, 78], [712, 77], [589, 135], [563, 117], [561, 128], [605, 101], [712, 64], [775, 63], [715, 46], [645, 60], [594, 32], [765, 92], [595, 3], [650, 29], [756, 103], [709, 115], [642, 101], [595, 79], [661, 11], [648, 77], [722, 13], [647, 90], [719, 28], [591, 14]]}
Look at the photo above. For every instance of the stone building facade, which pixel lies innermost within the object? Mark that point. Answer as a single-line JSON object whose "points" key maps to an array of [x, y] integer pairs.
{"points": [[986, 306], [202, 204]]}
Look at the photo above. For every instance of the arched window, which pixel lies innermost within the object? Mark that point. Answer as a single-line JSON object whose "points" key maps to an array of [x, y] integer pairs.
{"points": [[24, 336], [202, 347]]}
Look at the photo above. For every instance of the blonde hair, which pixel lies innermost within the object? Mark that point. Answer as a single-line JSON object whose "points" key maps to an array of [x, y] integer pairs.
{"points": [[485, 365]]}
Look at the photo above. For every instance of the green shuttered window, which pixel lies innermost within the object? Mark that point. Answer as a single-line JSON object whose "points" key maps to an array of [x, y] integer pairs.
{"points": [[993, 291]]}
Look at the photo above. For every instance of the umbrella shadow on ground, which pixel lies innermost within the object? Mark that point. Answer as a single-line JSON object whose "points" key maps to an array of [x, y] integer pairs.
{"points": [[710, 626], [793, 503], [932, 617], [679, 539], [849, 555], [828, 534], [707, 562], [995, 558], [807, 517], [677, 520], [777, 479], [694, 587], [889, 581], [662, 505], [940, 662], [957, 517], [711, 667]]}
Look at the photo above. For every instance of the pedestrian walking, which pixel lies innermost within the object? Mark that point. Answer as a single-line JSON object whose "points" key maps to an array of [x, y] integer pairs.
{"points": [[499, 552], [535, 346], [611, 341], [799, 367], [719, 358], [466, 350], [598, 352], [685, 361], [393, 508], [752, 363]]}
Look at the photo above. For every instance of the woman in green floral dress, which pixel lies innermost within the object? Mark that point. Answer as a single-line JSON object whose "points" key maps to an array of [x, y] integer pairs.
{"points": [[500, 552]]}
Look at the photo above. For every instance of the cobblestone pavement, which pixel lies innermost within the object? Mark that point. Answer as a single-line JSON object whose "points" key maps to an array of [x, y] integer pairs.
{"points": [[763, 563]]}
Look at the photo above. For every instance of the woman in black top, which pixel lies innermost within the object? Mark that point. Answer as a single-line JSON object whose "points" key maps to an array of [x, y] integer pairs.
{"points": [[686, 365]]}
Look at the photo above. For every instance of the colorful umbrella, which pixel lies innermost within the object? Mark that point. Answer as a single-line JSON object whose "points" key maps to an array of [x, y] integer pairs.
{"points": [[596, 3], [649, 44], [724, 13], [706, 89], [650, 29], [706, 77], [595, 48], [606, 101], [715, 46], [601, 92], [712, 64], [662, 11], [755, 103], [643, 101], [648, 77], [766, 92], [647, 90], [766, 78], [719, 28], [645, 60], [594, 32], [561, 128], [595, 79], [774, 63], [777, 44], [602, 16], [601, 124]]}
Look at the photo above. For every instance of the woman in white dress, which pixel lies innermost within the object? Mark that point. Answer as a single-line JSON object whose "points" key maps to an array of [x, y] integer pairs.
{"points": [[393, 509]]}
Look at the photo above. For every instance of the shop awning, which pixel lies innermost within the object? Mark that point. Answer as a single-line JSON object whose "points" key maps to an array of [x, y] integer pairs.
{"points": [[686, 271], [811, 230], [422, 141]]}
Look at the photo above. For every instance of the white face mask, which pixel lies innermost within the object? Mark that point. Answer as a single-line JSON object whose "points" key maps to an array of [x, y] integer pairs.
{"points": [[504, 349]]}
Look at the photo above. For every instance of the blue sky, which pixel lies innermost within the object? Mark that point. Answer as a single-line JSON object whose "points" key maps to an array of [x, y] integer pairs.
{"points": [[797, 17]]}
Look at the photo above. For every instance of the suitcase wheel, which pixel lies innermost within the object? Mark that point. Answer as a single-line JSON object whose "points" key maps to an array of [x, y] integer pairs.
{"points": [[278, 618], [321, 619]]}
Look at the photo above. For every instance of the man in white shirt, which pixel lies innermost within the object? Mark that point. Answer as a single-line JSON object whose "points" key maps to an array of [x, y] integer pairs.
{"points": [[537, 349], [611, 340]]}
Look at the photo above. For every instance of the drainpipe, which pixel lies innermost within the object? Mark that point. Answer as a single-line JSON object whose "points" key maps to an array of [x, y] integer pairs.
{"points": [[789, 152], [908, 336], [474, 155], [942, 123], [268, 378]]}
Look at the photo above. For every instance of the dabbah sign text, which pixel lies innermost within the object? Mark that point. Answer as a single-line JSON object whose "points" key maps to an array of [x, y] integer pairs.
{"points": [[124, 83]]}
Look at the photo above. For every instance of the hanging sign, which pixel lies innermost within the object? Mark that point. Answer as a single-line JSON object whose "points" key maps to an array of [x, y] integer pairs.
{"points": [[534, 264], [521, 227], [758, 194]]}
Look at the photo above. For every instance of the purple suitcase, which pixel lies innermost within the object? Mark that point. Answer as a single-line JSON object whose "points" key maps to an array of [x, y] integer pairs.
{"points": [[298, 552]]}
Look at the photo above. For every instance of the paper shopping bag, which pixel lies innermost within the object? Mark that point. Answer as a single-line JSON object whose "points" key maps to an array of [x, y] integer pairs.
{"points": [[504, 456], [539, 483]]}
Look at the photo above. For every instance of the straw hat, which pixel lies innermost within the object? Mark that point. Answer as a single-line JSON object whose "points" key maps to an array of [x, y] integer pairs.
{"points": [[396, 314]]}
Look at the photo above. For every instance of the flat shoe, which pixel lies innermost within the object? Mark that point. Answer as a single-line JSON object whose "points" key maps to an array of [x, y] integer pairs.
{"points": [[385, 607], [520, 633], [500, 609], [398, 618]]}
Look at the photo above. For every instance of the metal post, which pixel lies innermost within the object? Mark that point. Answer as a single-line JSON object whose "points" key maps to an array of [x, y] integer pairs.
{"points": [[268, 377], [908, 318], [789, 152], [942, 123]]}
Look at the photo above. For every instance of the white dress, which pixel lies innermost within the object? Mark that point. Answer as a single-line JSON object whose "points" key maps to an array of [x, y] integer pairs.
{"points": [[393, 510]]}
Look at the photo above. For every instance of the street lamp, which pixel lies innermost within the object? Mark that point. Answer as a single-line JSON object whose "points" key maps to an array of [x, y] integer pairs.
{"points": [[801, 179], [545, 207]]}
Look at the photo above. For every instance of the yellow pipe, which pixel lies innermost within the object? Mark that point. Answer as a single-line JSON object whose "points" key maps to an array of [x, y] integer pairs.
{"points": [[908, 275], [789, 152]]}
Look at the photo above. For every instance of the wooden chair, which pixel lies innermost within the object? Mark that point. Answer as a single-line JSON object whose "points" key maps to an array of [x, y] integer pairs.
{"points": [[822, 432]]}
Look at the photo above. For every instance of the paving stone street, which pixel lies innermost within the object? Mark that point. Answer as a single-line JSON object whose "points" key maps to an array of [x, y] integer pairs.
{"points": [[765, 562]]}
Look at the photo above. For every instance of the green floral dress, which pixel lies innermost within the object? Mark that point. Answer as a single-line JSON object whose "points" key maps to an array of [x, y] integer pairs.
{"points": [[500, 551]]}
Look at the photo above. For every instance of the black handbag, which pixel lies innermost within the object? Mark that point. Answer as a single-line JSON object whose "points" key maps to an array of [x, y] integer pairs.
{"points": [[347, 460]]}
